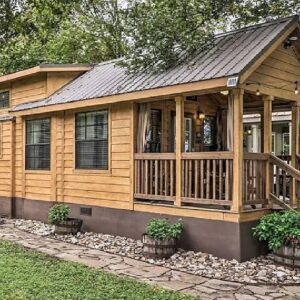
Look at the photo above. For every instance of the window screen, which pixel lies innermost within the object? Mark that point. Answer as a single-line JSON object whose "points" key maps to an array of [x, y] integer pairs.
{"points": [[153, 137], [4, 99], [37, 156], [92, 140]]}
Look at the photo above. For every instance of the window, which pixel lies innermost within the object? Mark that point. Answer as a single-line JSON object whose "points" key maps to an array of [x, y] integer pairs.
{"points": [[188, 134], [4, 99], [209, 131], [153, 136], [92, 140], [38, 134]]}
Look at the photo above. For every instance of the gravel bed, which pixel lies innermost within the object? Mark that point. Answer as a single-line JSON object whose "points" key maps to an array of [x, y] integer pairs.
{"points": [[260, 270]]}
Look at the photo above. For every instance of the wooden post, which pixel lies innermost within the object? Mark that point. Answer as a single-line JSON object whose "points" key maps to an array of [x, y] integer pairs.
{"points": [[179, 145], [237, 189], [295, 150], [267, 141]]}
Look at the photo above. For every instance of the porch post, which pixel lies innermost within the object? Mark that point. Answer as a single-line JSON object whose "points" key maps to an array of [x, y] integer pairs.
{"points": [[295, 148], [237, 189], [267, 140], [179, 145]]}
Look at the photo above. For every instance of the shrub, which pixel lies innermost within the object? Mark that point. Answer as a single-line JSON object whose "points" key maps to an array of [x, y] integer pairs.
{"points": [[162, 229], [279, 229], [58, 213]]}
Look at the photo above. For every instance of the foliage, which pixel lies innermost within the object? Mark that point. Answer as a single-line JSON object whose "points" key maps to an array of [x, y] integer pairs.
{"points": [[26, 275], [163, 33], [58, 213], [162, 229], [279, 229], [151, 35]]}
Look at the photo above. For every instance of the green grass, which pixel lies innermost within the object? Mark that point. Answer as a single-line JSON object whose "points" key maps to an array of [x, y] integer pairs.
{"points": [[26, 274]]}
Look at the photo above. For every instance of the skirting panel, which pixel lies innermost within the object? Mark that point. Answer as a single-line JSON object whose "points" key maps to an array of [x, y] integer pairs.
{"points": [[224, 239]]}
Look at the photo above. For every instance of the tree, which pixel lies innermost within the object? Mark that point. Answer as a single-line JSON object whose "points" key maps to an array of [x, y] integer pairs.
{"points": [[250, 12], [161, 33]]}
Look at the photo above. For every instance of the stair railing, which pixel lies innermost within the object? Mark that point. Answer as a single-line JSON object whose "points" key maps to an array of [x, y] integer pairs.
{"points": [[285, 183]]}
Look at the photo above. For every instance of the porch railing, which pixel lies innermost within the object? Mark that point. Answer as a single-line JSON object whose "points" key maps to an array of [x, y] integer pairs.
{"points": [[254, 178], [155, 176], [285, 187], [207, 178]]}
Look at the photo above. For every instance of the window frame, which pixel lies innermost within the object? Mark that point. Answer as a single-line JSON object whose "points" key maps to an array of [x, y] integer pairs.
{"points": [[8, 104], [92, 171], [27, 170]]}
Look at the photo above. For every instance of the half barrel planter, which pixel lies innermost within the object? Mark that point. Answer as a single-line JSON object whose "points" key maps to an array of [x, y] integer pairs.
{"points": [[287, 256], [155, 248], [70, 226]]}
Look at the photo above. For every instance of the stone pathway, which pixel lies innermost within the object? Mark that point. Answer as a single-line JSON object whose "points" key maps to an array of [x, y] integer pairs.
{"points": [[198, 286]]}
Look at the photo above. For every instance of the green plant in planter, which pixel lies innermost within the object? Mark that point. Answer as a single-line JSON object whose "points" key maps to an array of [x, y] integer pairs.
{"points": [[279, 229], [162, 229], [58, 213]]}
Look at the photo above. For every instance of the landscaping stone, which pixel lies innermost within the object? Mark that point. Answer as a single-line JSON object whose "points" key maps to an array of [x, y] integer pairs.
{"points": [[259, 270], [161, 275]]}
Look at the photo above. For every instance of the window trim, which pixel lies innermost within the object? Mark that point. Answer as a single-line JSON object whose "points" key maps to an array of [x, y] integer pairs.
{"points": [[37, 171], [8, 106], [106, 172]]}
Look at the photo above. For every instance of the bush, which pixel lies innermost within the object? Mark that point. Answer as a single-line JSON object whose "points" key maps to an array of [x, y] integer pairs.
{"points": [[279, 229], [58, 213], [162, 229]]}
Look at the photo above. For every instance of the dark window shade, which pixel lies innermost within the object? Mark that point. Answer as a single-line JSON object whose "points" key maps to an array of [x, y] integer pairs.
{"points": [[37, 152], [153, 137], [4, 99], [92, 140]]}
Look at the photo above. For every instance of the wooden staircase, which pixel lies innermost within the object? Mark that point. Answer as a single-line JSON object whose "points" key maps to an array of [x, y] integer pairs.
{"points": [[284, 185]]}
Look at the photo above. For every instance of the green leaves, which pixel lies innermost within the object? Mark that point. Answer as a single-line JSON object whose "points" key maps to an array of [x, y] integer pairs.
{"points": [[161, 229], [58, 213], [279, 229]]}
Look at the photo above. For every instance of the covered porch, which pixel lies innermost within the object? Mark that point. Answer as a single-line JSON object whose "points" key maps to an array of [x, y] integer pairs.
{"points": [[191, 152]]}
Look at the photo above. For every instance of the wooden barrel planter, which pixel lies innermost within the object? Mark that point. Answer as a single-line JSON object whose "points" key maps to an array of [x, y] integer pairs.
{"points": [[155, 248], [70, 226], [287, 256]]}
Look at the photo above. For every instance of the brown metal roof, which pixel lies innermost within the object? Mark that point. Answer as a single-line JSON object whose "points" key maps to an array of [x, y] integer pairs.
{"points": [[230, 55]]}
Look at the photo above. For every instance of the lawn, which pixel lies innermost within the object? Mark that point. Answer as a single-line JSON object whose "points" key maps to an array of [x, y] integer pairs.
{"points": [[25, 274]]}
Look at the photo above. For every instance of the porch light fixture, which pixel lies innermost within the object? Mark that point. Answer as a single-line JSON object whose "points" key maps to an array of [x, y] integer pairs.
{"points": [[296, 88], [288, 43], [201, 115], [258, 90], [225, 93]]}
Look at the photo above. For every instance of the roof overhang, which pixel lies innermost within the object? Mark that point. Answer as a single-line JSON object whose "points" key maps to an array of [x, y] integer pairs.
{"points": [[254, 64], [195, 88], [44, 69]]}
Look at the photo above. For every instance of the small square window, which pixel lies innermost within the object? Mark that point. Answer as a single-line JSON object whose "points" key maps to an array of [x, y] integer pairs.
{"points": [[4, 99]]}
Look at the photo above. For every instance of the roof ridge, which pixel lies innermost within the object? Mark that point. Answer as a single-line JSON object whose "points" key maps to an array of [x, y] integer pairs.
{"points": [[255, 26]]}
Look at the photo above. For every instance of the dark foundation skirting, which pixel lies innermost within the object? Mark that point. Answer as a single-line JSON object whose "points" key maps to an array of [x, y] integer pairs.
{"points": [[223, 239]]}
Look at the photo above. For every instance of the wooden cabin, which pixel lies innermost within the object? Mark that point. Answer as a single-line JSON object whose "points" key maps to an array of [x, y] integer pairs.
{"points": [[123, 148]]}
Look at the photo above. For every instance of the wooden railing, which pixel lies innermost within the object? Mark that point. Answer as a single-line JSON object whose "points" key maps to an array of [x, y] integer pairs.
{"points": [[285, 183], [207, 178], [254, 178], [155, 176]]}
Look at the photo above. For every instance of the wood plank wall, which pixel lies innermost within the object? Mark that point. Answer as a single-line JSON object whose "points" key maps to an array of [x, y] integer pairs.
{"points": [[63, 182], [278, 71], [6, 158]]}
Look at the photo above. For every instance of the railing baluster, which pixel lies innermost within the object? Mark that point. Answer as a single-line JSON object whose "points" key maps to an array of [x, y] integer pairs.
{"points": [[196, 179]]}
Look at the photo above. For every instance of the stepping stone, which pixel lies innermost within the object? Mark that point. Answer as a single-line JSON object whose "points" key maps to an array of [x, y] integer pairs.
{"points": [[222, 285]]}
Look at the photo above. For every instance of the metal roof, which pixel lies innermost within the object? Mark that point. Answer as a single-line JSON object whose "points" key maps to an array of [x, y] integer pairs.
{"points": [[230, 54]]}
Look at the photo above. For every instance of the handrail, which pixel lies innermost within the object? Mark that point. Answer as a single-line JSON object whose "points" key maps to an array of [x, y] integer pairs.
{"points": [[153, 156], [256, 156], [207, 155], [284, 166]]}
